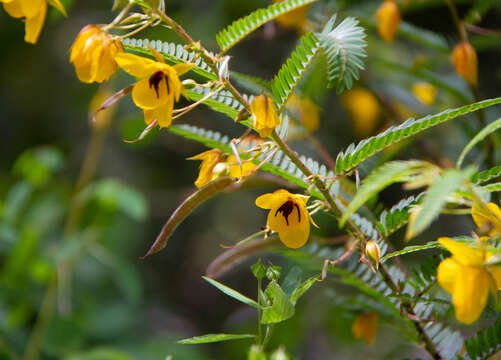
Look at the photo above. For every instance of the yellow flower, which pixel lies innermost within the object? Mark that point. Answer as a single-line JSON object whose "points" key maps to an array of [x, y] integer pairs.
{"points": [[485, 219], [305, 110], [264, 114], [364, 110], [464, 59], [158, 88], [93, 54], [210, 159], [288, 216], [34, 12], [236, 171], [365, 327], [424, 92], [388, 16], [295, 19], [468, 278], [373, 252]]}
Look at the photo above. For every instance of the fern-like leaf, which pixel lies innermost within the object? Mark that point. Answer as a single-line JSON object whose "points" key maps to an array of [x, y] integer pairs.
{"points": [[486, 175], [288, 77], [485, 343], [395, 218], [240, 28], [354, 155], [344, 46], [172, 53]]}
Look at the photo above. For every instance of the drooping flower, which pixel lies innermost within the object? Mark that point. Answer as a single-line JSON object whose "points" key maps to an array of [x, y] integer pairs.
{"points": [[373, 252], [295, 19], [93, 54], [388, 16], [365, 327], [424, 92], [306, 111], [467, 276], [485, 219], [236, 170], [34, 12], [158, 88], [288, 216], [464, 59], [210, 159], [264, 115], [364, 109]]}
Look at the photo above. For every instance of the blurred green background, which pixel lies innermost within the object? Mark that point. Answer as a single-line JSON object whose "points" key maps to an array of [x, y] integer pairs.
{"points": [[116, 306]]}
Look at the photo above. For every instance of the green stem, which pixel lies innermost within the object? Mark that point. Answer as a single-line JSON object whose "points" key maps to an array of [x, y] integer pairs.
{"points": [[259, 335]]}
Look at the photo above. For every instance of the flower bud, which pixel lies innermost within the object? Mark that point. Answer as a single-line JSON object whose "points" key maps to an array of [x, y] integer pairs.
{"points": [[388, 16], [373, 252], [365, 327], [93, 54], [424, 92], [464, 58], [264, 114]]}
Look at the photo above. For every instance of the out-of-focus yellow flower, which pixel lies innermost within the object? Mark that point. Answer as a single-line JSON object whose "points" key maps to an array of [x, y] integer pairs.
{"points": [[93, 54], [288, 216], [295, 19], [424, 92], [158, 88], [468, 278], [388, 16], [485, 219], [34, 12], [210, 159], [365, 327], [373, 252], [305, 110], [264, 115], [364, 109], [464, 59], [236, 170]]}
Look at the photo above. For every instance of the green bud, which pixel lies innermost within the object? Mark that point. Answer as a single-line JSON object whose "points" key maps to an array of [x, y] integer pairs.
{"points": [[259, 270], [280, 354], [256, 353], [273, 272]]}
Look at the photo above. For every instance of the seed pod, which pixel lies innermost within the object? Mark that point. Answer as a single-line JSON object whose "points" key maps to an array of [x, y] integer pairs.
{"points": [[388, 16], [464, 58]]}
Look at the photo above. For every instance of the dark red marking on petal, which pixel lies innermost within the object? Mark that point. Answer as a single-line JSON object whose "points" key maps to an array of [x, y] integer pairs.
{"points": [[155, 79], [286, 209]]}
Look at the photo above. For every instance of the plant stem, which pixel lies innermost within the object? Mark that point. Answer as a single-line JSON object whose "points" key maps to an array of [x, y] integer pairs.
{"points": [[259, 335], [459, 24]]}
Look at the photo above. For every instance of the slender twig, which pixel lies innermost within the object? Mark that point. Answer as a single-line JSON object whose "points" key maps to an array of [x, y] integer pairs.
{"points": [[459, 24]]}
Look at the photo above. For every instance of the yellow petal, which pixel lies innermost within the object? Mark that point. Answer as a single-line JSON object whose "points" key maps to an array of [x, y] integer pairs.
{"points": [[147, 97], [13, 8], [137, 66], [470, 293], [292, 222], [164, 113], [364, 110], [388, 16], [272, 200], [365, 327], [462, 253], [483, 218], [209, 159], [31, 8], [34, 24], [447, 274], [294, 239], [464, 59], [180, 69], [265, 117], [424, 92], [236, 171], [57, 4]]}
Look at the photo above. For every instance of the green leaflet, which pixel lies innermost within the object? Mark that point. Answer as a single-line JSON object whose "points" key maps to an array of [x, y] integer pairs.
{"points": [[354, 155], [485, 342], [393, 219], [210, 338], [240, 28], [411, 249], [481, 135], [344, 46], [386, 174], [292, 71], [172, 53], [486, 175], [232, 293], [436, 198], [281, 307]]}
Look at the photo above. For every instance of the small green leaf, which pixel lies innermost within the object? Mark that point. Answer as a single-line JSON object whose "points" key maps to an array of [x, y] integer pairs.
{"points": [[492, 187], [385, 175], [259, 270], [273, 272], [210, 338], [302, 289], [489, 129], [435, 199], [281, 307], [230, 292]]}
